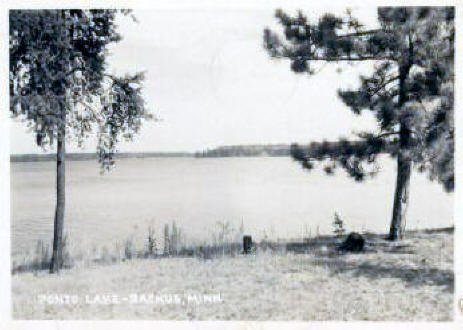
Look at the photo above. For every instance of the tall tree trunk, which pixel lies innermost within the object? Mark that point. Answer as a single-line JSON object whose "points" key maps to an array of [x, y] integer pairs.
{"points": [[57, 258], [403, 159], [400, 197]]}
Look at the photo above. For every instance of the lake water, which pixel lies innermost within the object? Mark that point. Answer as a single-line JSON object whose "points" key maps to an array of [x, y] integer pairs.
{"points": [[271, 196]]}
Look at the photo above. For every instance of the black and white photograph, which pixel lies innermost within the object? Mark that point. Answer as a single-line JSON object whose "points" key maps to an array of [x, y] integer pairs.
{"points": [[212, 161]]}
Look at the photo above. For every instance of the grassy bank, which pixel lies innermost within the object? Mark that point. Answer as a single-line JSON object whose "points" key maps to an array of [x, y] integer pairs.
{"points": [[413, 281]]}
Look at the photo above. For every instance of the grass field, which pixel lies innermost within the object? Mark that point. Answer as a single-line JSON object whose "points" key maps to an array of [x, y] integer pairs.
{"points": [[414, 283]]}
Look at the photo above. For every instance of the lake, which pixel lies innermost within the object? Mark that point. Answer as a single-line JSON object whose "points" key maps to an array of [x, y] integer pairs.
{"points": [[272, 197]]}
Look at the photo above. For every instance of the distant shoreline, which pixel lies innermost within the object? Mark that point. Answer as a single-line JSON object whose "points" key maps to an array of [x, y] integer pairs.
{"points": [[247, 150], [93, 156], [276, 150]]}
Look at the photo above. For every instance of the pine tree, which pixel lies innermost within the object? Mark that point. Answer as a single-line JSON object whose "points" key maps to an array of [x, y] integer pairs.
{"points": [[410, 91], [60, 88]]}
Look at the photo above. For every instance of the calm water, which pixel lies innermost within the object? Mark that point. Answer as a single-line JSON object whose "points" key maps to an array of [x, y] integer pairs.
{"points": [[268, 194]]}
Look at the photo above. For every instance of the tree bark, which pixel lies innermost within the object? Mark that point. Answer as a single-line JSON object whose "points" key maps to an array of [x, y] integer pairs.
{"points": [[403, 159], [400, 197], [57, 257]]}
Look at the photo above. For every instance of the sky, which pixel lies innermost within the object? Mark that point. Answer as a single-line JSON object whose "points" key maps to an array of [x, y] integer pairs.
{"points": [[211, 83]]}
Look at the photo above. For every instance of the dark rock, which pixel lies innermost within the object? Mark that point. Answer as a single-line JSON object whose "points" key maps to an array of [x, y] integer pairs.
{"points": [[353, 243]]}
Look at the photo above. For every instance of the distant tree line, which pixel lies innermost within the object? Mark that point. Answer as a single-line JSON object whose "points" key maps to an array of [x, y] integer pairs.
{"points": [[93, 156], [247, 151], [284, 150]]}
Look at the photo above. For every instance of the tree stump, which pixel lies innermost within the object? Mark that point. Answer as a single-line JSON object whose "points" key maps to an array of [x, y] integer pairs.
{"points": [[353, 243], [247, 244]]}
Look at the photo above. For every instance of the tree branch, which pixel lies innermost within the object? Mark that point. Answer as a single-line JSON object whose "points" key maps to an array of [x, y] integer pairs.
{"points": [[358, 34], [386, 134], [93, 110], [110, 76], [384, 84], [347, 59]]}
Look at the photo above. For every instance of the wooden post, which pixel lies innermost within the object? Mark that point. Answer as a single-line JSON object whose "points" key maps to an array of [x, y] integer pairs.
{"points": [[247, 244]]}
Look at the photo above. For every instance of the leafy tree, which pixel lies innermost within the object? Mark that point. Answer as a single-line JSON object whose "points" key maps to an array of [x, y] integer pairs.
{"points": [[410, 91], [60, 88]]}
